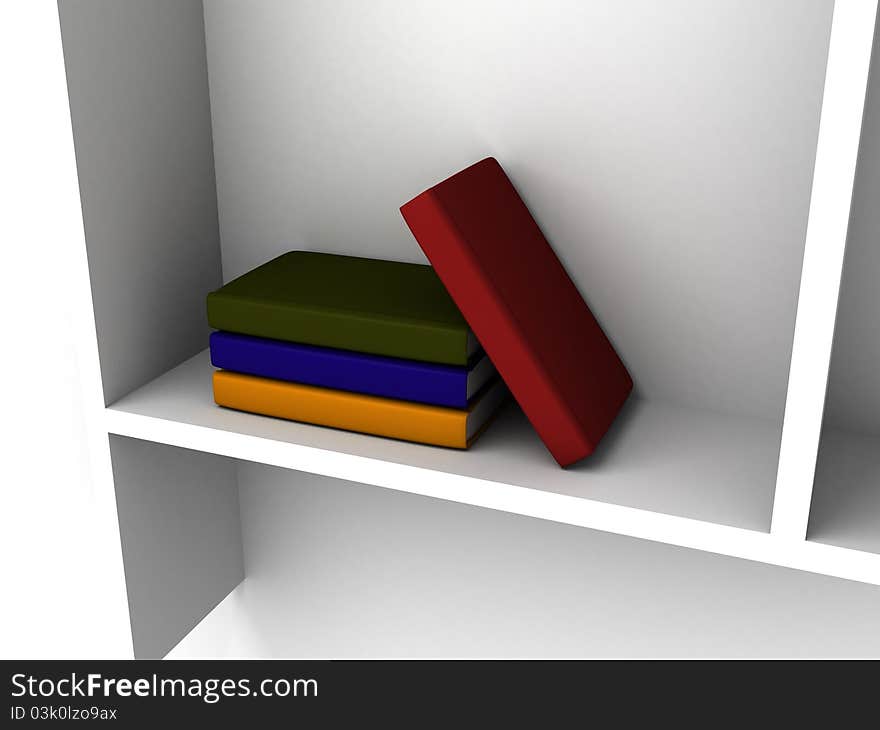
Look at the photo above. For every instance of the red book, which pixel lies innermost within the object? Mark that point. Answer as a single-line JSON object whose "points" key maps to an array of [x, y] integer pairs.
{"points": [[522, 306]]}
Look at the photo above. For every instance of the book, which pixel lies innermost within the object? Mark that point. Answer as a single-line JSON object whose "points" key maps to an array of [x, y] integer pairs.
{"points": [[435, 425], [390, 377], [364, 305], [528, 315]]}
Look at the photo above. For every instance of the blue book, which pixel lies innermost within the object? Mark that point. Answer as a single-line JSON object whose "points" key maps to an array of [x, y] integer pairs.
{"points": [[389, 377]]}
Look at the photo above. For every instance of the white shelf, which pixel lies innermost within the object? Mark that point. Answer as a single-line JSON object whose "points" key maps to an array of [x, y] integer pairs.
{"points": [[657, 458], [684, 477]]}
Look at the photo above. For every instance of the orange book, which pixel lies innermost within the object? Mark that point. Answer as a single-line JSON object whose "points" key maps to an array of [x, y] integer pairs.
{"points": [[426, 424]]}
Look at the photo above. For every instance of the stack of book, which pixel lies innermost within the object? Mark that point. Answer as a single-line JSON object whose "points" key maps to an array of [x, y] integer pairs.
{"points": [[359, 344], [381, 347]]}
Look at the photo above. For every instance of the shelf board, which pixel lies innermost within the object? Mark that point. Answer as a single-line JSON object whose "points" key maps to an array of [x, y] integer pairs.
{"points": [[845, 510], [659, 458], [681, 476]]}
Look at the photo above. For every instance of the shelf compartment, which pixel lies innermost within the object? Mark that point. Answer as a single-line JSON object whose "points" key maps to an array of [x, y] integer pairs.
{"points": [[336, 568], [660, 220], [658, 458]]}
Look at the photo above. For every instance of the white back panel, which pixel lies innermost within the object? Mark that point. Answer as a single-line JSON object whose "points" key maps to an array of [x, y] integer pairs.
{"points": [[666, 149]]}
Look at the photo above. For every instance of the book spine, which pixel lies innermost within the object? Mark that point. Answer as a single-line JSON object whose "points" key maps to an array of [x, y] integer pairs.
{"points": [[349, 411], [495, 327], [339, 329], [442, 385]]}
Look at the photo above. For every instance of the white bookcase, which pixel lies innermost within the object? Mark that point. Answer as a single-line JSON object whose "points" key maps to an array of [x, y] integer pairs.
{"points": [[668, 152]]}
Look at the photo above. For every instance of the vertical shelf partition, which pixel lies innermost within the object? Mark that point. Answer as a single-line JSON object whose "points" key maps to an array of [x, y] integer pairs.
{"points": [[846, 79], [846, 495]]}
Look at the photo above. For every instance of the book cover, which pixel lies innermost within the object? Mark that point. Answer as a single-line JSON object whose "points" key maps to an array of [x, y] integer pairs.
{"points": [[365, 305], [435, 425], [528, 315], [443, 385]]}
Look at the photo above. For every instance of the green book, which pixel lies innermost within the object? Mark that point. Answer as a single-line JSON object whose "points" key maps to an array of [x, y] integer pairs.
{"points": [[365, 305]]}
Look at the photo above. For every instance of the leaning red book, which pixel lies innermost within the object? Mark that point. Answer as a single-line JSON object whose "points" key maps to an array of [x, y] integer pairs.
{"points": [[522, 306]]}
